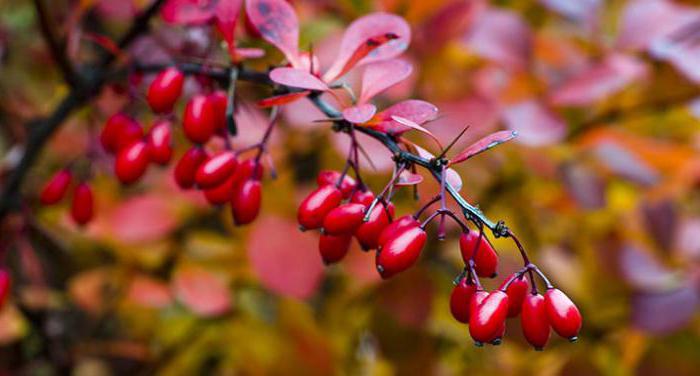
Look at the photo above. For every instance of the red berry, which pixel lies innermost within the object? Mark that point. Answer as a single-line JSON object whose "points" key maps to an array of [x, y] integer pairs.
{"points": [[131, 162], [216, 169], [401, 252], [165, 90], [220, 194], [186, 167], [368, 233], [220, 100], [330, 177], [488, 317], [56, 187], [159, 141], [396, 227], [562, 314], [316, 206], [248, 169], [246, 201], [486, 259], [199, 120], [534, 321], [82, 205], [344, 219], [517, 291], [363, 197], [120, 131], [5, 286], [460, 299], [333, 248]]}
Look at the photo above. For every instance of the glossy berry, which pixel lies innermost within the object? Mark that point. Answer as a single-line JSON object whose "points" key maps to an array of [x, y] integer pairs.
{"points": [[317, 205], [460, 299], [159, 141], [517, 291], [220, 194], [186, 167], [131, 162], [488, 317], [165, 90], [369, 232], [333, 247], [397, 227], [330, 177], [55, 189], [401, 251], [5, 286], [534, 321], [247, 169], [363, 197], [216, 169], [246, 201], [199, 120], [220, 100], [562, 314], [82, 207], [486, 259], [120, 131], [344, 219]]}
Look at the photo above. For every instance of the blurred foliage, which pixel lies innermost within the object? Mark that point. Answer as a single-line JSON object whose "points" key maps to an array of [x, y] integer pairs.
{"points": [[602, 188]]}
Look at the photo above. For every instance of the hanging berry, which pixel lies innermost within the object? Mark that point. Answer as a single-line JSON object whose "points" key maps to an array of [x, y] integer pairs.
{"points": [[165, 90], [56, 188]]}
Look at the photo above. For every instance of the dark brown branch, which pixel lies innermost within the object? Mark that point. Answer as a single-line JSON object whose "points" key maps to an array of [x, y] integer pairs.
{"points": [[57, 49]]}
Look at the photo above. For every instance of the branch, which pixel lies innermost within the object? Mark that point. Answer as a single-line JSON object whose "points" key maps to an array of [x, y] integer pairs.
{"points": [[57, 49]]}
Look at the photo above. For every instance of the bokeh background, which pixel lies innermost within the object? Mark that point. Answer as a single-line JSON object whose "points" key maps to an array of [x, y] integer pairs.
{"points": [[602, 187]]}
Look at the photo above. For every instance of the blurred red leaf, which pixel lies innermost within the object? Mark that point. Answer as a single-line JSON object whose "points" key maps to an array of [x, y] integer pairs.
{"points": [[277, 23], [536, 125], [363, 29], [149, 292], [580, 10], [502, 37], [141, 219], [188, 12], [382, 75], [297, 78], [484, 144], [599, 81], [201, 291], [450, 22], [226, 16], [279, 100], [284, 258], [644, 21], [359, 114], [415, 110]]}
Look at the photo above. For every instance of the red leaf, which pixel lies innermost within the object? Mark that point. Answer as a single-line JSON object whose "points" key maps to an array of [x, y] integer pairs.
{"points": [[644, 21], [484, 144], [140, 219], [382, 75], [408, 178], [226, 16], [284, 258], [359, 114], [415, 110], [297, 78], [201, 291], [188, 12], [149, 292], [599, 81], [451, 21], [501, 36], [359, 32], [277, 23], [536, 124], [279, 100], [411, 124]]}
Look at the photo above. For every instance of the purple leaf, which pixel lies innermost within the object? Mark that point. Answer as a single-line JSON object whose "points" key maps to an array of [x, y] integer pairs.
{"points": [[580, 10], [645, 21], [664, 312], [599, 81], [536, 125], [359, 114], [501, 36], [586, 187], [408, 178], [622, 162], [365, 28], [415, 110], [297, 78], [382, 75], [411, 124], [277, 23], [644, 271], [484, 144]]}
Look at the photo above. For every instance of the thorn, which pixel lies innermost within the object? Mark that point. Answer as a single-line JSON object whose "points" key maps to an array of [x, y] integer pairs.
{"points": [[452, 143]]}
